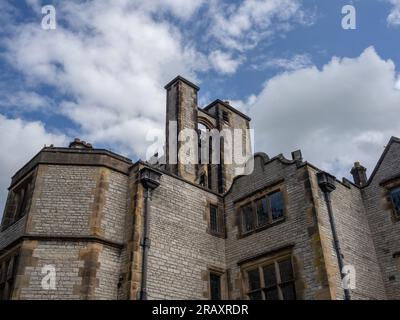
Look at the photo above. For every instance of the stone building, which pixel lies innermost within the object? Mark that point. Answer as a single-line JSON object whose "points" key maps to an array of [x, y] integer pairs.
{"points": [[86, 223]]}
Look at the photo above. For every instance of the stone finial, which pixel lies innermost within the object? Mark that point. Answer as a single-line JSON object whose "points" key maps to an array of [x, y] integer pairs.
{"points": [[359, 174], [79, 144]]}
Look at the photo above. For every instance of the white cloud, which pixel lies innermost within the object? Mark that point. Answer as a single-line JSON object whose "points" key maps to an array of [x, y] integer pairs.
{"points": [[112, 62], [20, 141], [23, 101], [343, 113], [393, 18], [243, 26], [181, 8], [223, 62], [298, 61], [111, 58], [244, 105]]}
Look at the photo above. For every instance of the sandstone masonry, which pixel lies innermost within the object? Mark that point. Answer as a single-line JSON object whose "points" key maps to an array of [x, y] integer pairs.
{"points": [[113, 229]]}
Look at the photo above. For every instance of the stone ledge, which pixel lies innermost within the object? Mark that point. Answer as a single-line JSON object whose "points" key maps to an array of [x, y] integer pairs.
{"points": [[79, 157]]}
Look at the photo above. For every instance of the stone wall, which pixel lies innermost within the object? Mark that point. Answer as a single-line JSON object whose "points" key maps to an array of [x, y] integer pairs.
{"points": [[82, 270], [385, 228], [181, 250], [355, 239], [298, 229], [76, 224], [79, 201], [63, 256]]}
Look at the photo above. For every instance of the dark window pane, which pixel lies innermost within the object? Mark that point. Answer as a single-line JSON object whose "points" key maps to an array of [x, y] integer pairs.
{"points": [[215, 286], [2, 287], [3, 272], [248, 220], [10, 269], [286, 270], [23, 198], [6, 292], [395, 194], [288, 291], [277, 206], [269, 275], [272, 294], [254, 279], [214, 225], [256, 295], [262, 211], [209, 177], [202, 180]]}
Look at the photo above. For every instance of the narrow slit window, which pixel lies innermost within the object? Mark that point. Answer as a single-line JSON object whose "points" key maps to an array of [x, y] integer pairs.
{"points": [[395, 196], [214, 219], [277, 205], [248, 218], [215, 286], [262, 212]]}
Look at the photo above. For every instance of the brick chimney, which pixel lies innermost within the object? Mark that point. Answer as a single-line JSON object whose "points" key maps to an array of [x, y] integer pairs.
{"points": [[359, 174], [78, 144]]}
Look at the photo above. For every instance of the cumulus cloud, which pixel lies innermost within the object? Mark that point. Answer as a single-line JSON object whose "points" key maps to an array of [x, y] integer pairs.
{"points": [[244, 25], [393, 18], [21, 140], [110, 60], [23, 101], [298, 61], [339, 114], [105, 65], [224, 62]]}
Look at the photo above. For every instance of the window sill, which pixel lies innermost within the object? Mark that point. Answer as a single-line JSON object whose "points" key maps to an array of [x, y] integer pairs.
{"points": [[259, 229], [217, 234]]}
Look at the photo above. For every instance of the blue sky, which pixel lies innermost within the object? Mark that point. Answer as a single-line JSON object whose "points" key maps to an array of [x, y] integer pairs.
{"points": [[306, 82]]}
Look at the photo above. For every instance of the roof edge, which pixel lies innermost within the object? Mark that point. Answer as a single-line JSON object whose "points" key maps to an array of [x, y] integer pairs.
{"points": [[180, 78], [228, 106]]}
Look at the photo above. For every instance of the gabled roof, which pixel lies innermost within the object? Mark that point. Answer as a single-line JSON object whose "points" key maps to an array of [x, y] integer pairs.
{"points": [[226, 105], [391, 141]]}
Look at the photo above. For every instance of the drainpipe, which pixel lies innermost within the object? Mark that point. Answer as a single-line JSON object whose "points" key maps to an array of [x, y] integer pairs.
{"points": [[150, 179], [327, 184]]}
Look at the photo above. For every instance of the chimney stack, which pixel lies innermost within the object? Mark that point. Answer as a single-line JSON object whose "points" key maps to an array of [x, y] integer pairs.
{"points": [[297, 156], [78, 144], [359, 174]]}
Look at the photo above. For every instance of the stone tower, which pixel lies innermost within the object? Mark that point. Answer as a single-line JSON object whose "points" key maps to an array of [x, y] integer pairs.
{"points": [[222, 124]]}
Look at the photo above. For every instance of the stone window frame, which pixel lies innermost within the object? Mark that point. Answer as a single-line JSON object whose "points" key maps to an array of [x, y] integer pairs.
{"points": [[396, 212], [389, 185], [13, 211], [252, 199], [221, 219], [268, 259], [223, 282], [8, 273]]}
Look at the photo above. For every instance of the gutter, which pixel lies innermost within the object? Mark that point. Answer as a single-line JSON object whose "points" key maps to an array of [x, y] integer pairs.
{"points": [[150, 179], [327, 184]]}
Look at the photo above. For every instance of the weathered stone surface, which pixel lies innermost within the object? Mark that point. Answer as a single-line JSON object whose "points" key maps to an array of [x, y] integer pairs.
{"points": [[86, 213]]}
